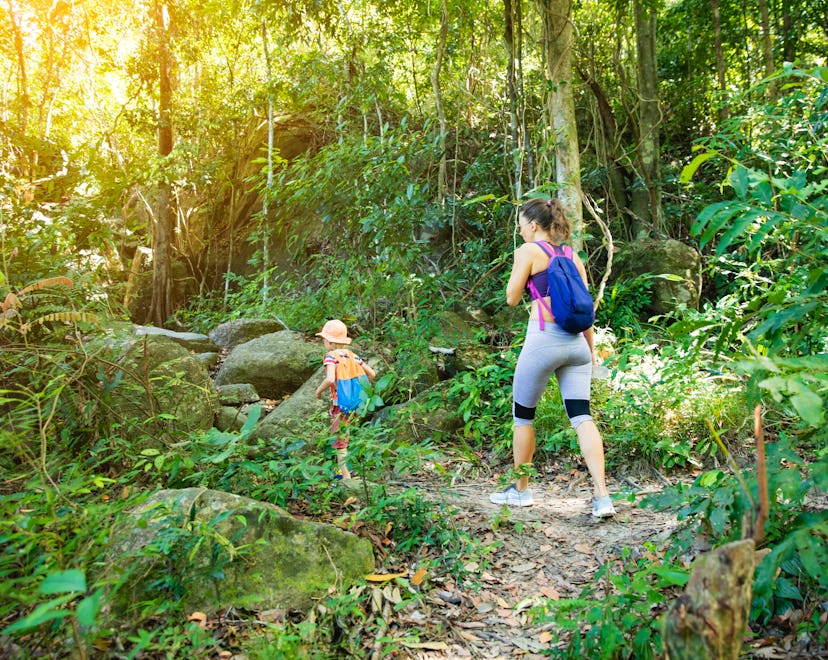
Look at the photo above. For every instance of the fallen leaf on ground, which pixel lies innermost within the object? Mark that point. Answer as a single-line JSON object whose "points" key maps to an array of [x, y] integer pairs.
{"points": [[419, 576], [550, 592], [200, 618], [384, 577], [431, 646]]}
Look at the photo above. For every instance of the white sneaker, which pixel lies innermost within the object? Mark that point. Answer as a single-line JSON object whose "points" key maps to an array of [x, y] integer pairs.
{"points": [[602, 507], [511, 496]]}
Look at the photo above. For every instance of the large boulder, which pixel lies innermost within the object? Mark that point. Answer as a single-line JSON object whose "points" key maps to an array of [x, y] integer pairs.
{"points": [[276, 364], [428, 415], [293, 415], [240, 331], [193, 341], [158, 390], [680, 263], [213, 549]]}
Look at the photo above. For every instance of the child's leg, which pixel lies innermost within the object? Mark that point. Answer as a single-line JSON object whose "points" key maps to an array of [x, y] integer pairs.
{"points": [[339, 431]]}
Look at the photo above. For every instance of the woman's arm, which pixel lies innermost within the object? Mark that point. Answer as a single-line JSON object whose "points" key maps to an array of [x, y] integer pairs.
{"points": [[521, 270]]}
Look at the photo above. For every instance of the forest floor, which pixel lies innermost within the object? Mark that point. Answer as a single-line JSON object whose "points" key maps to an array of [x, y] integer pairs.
{"points": [[547, 551]]}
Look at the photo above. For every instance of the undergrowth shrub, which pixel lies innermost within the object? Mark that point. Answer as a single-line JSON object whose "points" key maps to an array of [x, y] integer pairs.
{"points": [[791, 575], [623, 304], [659, 404], [618, 613]]}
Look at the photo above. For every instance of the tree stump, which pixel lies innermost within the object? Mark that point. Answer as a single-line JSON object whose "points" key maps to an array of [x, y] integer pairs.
{"points": [[709, 619]]}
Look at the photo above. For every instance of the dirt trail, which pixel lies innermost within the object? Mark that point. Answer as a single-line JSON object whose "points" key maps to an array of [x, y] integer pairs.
{"points": [[549, 550]]}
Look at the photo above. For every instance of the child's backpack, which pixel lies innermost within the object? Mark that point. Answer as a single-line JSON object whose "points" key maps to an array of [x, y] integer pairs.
{"points": [[351, 381], [571, 304]]}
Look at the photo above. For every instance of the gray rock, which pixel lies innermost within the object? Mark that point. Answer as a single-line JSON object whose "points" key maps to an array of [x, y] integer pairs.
{"points": [[275, 365], [181, 547], [209, 360], [295, 414], [158, 391], [425, 416], [681, 264], [240, 331], [230, 419], [236, 394], [193, 341]]}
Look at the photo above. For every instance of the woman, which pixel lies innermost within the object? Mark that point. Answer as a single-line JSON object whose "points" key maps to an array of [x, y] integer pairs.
{"points": [[547, 349]]}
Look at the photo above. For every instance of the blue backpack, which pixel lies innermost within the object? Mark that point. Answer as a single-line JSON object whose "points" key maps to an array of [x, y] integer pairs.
{"points": [[571, 304], [351, 381]]}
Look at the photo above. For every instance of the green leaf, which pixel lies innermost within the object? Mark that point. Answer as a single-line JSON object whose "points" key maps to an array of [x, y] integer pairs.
{"points": [[70, 581], [41, 614], [227, 453], [787, 589], [252, 418], [690, 169], [87, 610], [672, 576], [475, 200], [810, 407], [738, 228], [719, 215], [738, 178], [773, 219]]}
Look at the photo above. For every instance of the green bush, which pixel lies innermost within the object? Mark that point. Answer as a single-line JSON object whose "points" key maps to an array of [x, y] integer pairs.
{"points": [[717, 505]]}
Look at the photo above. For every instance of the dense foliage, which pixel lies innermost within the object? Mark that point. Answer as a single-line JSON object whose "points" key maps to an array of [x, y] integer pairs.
{"points": [[357, 219]]}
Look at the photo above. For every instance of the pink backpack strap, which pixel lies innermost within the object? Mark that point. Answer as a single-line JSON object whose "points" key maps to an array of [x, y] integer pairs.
{"points": [[553, 252]]}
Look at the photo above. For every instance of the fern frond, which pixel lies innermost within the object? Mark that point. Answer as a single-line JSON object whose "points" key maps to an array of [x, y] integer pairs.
{"points": [[69, 317], [51, 281], [10, 301]]}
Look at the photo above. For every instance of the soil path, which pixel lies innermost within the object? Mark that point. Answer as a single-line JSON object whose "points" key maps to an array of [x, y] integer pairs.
{"points": [[546, 551]]}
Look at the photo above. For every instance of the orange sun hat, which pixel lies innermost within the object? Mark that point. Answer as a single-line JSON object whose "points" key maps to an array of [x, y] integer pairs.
{"points": [[335, 332]]}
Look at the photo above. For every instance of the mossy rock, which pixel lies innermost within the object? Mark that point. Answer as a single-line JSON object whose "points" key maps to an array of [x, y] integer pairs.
{"points": [[210, 550]]}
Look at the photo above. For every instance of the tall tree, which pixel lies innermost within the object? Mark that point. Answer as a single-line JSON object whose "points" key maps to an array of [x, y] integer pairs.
{"points": [[23, 101], [649, 116], [720, 61], [767, 45], [511, 37], [442, 177], [557, 40], [163, 300]]}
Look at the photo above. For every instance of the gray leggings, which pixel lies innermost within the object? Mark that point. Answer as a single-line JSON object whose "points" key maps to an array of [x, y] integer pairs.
{"points": [[545, 351]]}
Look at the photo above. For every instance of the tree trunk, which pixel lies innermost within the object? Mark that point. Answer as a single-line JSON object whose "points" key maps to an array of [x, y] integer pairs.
{"points": [[269, 183], [442, 177], [720, 62], [163, 303], [521, 95], [767, 47], [649, 112], [23, 101], [511, 90], [557, 35], [708, 621], [605, 147], [520, 154]]}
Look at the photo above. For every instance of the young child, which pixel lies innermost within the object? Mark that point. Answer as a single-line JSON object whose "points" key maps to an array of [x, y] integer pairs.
{"points": [[335, 338]]}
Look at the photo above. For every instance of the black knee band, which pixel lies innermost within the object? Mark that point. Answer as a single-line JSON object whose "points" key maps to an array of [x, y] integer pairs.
{"points": [[576, 407], [522, 412]]}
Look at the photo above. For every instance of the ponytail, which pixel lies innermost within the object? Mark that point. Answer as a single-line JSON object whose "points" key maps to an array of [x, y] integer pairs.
{"points": [[550, 216]]}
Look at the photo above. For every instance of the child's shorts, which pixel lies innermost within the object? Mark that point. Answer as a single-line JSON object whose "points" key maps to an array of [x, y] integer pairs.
{"points": [[339, 424]]}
